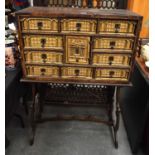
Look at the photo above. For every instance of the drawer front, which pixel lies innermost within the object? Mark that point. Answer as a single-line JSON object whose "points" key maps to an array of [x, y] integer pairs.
{"points": [[110, 43], [39, 24], [77, 49], [42, 71], [43, 57], [116, 26], [42, 41], [111, 59], [112, 74], [77, 25], [76, 72]]}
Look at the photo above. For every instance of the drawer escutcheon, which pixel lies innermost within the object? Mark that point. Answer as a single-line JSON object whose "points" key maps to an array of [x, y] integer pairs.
{"points": [[43, 42], [40, 25], [78, 26], [77, 72], [42, 70]]}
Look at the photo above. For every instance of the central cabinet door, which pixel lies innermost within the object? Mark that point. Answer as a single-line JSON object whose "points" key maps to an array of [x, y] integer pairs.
{"points": [[77, 49]]}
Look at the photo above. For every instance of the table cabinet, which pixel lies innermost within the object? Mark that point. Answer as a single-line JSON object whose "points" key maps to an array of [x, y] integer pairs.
{"points": [[78, 46]]}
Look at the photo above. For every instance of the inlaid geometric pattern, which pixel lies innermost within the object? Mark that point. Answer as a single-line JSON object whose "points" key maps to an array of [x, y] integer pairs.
{"points": [[68, 72], [76, 25], [42, 71], [109, 43], [40, 24], [43, 41], [111, 59], [116, 27], [43, 57], [77, 49], [112, 74]]}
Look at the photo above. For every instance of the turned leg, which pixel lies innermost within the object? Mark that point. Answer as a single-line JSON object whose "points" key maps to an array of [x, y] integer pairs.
{"points": [[110, 103], [116, 125], [40, 101], [32, 115]]}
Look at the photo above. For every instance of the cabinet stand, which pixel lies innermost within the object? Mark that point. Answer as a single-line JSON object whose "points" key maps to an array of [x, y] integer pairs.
{"points": [[36, 109]]}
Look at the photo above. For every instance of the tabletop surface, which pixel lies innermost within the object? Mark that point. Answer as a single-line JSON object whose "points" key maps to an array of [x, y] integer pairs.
{"points": [[62, 11]]}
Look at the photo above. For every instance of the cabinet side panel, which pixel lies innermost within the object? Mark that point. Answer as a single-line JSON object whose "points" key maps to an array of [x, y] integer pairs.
{"points": [[21, 47]]}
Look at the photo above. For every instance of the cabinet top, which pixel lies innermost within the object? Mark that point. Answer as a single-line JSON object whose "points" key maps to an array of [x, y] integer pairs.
{"points": [[78, 12]]}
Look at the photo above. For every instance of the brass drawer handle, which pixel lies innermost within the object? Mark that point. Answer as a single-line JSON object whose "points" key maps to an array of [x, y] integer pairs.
{"points": [[43, 42], [44, 57], [40, 25], [43, 70], [78, 26], [111, 58], [117, 28], [111, 73], [112, 44], [77, 71]]}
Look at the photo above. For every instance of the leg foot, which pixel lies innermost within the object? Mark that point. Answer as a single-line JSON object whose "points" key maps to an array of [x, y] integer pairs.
{"points": [[31, 141], [116, 144]]}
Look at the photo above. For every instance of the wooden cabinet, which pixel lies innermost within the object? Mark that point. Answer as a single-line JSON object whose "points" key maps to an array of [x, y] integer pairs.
{"points": [[89, 48], [78, 44]]}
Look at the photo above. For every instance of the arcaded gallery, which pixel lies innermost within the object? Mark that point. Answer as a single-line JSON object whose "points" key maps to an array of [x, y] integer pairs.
{"points": [[77, 77]]}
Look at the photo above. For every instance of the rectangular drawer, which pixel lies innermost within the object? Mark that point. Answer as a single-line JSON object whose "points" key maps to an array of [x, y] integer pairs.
{"points": [[77, 49], [78, 25], [116, 26], [39, 24], [43, 57], [43, 41], [113, 43], [76, 72], [112, 59], [112, 74], [42, 71]]}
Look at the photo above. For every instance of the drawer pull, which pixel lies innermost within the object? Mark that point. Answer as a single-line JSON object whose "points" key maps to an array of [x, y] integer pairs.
{"points": [[117, 28], [111, 58], [111, 73], [112, 44], [43, 70], [78, 26], [43, 42], [77, 71], [40, 25], [44, 57]]}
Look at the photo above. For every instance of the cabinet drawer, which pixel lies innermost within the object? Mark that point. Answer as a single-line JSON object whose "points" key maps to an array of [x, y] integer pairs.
{"points": [[39, 24], [77, 49], [110, 43], [78, 25], [43, 57], [76, 72], [116, 26], [43, 71], [111, 59], [112, 74], [42, 41]]}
